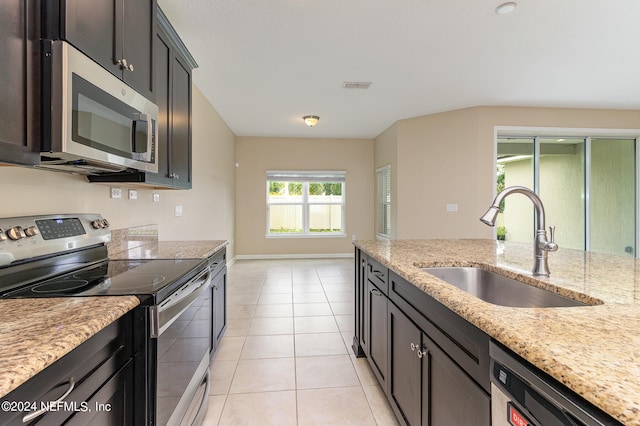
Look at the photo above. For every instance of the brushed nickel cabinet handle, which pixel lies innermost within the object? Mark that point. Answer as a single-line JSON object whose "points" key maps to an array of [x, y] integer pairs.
{"points": [[31, 416], [378, 274], [422, 351], [124, 65]]}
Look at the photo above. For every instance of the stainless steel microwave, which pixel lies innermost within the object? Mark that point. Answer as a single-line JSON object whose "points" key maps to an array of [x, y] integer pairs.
{"points": [[92, 121]]}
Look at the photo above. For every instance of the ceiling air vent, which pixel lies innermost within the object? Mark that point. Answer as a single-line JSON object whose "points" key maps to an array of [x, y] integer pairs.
{"points": [[356, 84]]}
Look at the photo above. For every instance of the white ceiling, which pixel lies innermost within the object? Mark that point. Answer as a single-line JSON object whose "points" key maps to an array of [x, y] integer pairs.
{"points": [[263, 64]]}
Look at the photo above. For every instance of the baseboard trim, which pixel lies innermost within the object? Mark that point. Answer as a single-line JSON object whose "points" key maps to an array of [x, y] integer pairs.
{"points": [[292, 256]]}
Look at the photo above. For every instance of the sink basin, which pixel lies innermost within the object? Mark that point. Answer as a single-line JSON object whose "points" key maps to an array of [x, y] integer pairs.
{"points": [[500, 290]]}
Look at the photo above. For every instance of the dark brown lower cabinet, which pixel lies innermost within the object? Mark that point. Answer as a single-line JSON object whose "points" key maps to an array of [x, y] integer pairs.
{"points": [[376, 311], [112, 404], [97, 379], [405, 383], [425, 386], [219, 297]]}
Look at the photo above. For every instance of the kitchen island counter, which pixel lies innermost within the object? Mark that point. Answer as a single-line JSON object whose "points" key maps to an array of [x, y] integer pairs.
{"points": [[593, 350], [35, 333]]}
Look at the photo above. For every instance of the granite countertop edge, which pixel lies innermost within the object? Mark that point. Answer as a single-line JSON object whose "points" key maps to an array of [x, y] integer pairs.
{"points": [[35, 333]]}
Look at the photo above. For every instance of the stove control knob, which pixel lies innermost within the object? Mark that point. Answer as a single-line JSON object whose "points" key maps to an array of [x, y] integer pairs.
{"points": [[3, 236], [15, 233], [105, 223], [31, 231], [96, 224]]}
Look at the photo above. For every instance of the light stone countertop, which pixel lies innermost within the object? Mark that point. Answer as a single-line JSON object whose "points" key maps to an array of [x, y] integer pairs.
{"points": [[593, 350], [168, 249], [35, 333]]}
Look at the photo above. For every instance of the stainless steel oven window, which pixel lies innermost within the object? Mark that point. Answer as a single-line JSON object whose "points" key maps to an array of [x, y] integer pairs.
{"points": [[183, 346]]}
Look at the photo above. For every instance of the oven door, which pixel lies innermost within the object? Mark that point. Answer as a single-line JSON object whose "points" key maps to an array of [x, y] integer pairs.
{"points": [[183, 325]]}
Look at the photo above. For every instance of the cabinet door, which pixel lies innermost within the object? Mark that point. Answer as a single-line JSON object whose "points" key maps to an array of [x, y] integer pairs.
{"points": [[377, 320], [138, 29], [110, 31], [359, 289], [451, 396], [405, 375], [163, 100], [180, 164], [219, 289], [94, 28], [112, 404], [16, 84]]}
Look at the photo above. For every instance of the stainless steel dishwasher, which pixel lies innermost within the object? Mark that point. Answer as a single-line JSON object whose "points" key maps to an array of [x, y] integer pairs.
{"points": [[522, 395]]}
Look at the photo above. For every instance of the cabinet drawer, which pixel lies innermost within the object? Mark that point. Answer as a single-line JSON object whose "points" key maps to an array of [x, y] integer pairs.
{"points": [[378, 275], [90, 365], [466, 344]]}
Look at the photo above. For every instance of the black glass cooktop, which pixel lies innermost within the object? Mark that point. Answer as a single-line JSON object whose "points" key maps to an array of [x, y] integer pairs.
{"points": [[114, 278]]}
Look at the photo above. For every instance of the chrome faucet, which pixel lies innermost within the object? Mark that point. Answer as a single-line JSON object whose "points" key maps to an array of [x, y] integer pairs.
{"points": [[540, 245]]}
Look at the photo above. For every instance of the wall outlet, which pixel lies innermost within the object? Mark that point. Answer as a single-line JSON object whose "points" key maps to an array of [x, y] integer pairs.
{"points": [[178, 211], [116, 193], [133, 194], [156, 198], [452, 208]]}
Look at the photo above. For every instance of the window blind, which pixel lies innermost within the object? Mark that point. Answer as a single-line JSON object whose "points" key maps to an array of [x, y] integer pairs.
{"points": [[383, 201], [306, 176]]}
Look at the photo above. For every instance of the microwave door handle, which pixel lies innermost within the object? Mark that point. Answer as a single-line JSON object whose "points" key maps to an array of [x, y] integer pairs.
{"points": [[135, 141]]}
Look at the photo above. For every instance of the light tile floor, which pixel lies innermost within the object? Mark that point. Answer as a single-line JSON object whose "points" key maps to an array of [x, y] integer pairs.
{"points": [[286, 356]]}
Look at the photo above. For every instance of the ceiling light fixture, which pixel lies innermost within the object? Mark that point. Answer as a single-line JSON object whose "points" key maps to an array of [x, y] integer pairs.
{"points": [[311, 120], [506, 8]]}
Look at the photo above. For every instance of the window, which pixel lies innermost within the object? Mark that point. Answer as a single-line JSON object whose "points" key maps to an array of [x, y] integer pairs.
{"points": [[303, 203], [383, 202]]}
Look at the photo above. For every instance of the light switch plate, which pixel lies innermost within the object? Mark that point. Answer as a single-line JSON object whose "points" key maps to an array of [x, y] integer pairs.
{"points": [[452, 208], [178, 211], [133, 194]]}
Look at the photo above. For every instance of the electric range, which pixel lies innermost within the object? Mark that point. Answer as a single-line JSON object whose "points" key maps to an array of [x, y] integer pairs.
{"points": [[66, 256]]}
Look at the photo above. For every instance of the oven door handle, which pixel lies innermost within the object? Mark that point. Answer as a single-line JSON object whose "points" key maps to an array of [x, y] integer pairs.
{"points": [[164, 314], [202, 407]]}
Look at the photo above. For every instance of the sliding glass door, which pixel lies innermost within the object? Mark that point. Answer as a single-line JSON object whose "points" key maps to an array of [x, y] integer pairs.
{"points": [[587, 185], [612, 201], [562, 188]]}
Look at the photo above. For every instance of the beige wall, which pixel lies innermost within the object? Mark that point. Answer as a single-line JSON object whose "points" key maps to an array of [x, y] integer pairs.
{"points": [[256, 155], [440, 162], [208, 207], [449, 158]]}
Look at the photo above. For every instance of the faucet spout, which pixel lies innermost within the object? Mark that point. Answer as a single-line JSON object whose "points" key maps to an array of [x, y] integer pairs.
{"points": [[541, 245]]}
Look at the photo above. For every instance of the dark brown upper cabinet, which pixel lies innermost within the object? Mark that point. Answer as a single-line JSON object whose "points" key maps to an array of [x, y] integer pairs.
{"points": [[117, 34], [173, 67], [19, 89]]}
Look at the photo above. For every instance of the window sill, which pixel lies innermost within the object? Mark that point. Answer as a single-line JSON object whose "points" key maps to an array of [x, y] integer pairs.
{"points": [[276, 236]]}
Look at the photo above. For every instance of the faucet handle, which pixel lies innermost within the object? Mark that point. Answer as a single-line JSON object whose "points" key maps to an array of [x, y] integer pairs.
{"points": [[551, 244]]}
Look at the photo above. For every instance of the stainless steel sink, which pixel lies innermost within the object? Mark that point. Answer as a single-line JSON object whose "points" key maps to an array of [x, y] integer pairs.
{"points": [[500, 290]]}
